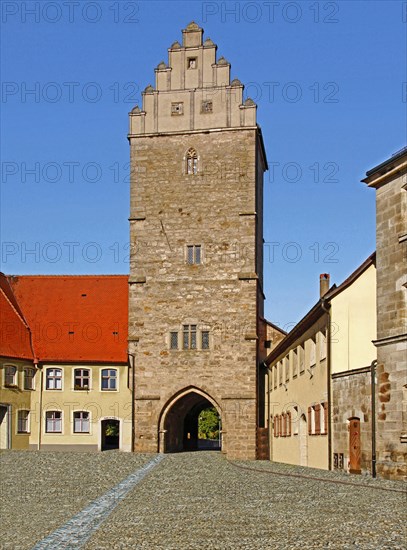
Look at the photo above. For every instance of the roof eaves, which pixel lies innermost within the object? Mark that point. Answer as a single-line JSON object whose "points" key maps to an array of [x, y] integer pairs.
{"points": [[306, 322]]}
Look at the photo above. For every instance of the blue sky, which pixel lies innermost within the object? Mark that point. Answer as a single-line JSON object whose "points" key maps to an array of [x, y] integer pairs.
{"points": [[328, 79]]}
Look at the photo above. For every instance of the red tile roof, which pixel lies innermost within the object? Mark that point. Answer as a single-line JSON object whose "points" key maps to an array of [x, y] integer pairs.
{"points": [[15, 337], [75, 318]]}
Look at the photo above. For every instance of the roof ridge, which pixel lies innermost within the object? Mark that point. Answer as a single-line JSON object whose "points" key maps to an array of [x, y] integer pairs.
{"points": [[39, 275]]}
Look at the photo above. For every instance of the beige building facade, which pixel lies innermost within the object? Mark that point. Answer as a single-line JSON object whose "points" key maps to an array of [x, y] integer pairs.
{"points": [[353, 358], [319, 379], [196, 289]]}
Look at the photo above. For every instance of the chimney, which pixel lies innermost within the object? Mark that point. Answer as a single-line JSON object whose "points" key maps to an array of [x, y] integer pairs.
{"points": [[323, 284]]}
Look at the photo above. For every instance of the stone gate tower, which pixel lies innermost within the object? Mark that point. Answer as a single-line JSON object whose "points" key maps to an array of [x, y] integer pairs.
{"points": [[196, 298]]}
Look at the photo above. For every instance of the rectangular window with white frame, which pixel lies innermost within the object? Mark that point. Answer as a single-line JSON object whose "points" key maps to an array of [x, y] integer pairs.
{"points": [[287, 368], [53, 379], [29, 374], [109, 379], [312, 345], [23, 422], [322, 345], [301, 358], [296, 420], [295, 362], [81, 422], [10, 376], [82, 379], [53, 422]]}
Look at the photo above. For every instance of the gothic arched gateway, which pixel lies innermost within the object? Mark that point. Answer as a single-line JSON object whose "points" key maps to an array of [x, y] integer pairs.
{"points": [[178, 426]]}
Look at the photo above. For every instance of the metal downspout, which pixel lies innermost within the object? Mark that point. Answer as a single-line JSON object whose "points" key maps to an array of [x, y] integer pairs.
{"points": [[373, 407], [326, 307]]}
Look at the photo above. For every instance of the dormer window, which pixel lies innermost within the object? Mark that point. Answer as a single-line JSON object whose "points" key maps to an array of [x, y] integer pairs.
{"points": [[192, 162], [192, 63]]}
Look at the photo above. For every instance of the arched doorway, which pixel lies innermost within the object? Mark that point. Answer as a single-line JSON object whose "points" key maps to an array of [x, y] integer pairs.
{"points": [[110, 436], [179, 424]]}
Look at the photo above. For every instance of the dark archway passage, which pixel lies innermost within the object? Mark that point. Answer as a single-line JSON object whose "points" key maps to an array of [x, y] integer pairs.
{"points": [[110, 434], [181, 425]]}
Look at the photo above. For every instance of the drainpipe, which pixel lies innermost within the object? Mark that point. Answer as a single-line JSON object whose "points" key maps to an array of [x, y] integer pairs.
{"points": [[373, 407], [326, 307], [40, 406], [131, 360]]}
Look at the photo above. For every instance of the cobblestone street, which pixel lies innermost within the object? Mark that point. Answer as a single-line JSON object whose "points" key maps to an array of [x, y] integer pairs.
{"points": [[196, 500]]}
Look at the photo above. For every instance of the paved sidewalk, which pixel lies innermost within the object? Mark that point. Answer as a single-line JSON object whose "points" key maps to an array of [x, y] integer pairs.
{"points": [[198, 500]]}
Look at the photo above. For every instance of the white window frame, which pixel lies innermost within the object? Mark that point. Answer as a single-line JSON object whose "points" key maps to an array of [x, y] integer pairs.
{"points": [[295, 362], [312, 352], [47, 377], [322, 345], [26, 420], [61, 419], [32, 369], [14, 382], [81, 420], [287, 368], [84, 388], [116, 377]]}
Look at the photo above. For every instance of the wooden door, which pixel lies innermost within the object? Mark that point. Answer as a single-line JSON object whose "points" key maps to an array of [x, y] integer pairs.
{"points": [[354, 445]]}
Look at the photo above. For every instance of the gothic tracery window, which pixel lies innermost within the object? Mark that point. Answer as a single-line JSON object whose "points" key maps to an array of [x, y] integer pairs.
{"points": [[192, 162]]}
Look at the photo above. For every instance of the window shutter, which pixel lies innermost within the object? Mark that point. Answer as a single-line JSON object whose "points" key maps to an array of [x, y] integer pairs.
{"points": [[325, 417], [309, 421], [289, 424], [317, 419]]}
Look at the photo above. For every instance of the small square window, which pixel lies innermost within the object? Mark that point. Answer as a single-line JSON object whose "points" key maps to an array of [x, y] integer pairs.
{"points": [[192, 63], [207, 106], [194, 254], [177, 108]]}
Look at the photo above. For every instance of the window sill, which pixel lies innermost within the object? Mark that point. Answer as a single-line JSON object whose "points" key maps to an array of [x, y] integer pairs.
{"points": [[11, 386], [108, 389]]}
